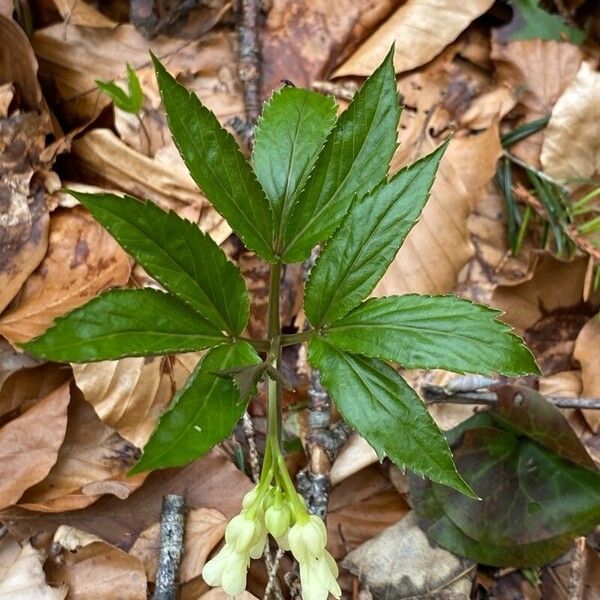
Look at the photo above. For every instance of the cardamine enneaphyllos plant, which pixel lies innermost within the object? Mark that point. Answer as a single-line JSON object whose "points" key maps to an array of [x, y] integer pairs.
{"points": [[313, 179]]}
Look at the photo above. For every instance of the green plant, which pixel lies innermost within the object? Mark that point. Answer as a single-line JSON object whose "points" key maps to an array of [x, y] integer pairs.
{"points": [[315, 180]]}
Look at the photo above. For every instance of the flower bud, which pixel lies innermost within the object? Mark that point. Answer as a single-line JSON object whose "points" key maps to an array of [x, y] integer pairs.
{"points": [[243, 532], [249, 499], [277, 520], [308, 539]]}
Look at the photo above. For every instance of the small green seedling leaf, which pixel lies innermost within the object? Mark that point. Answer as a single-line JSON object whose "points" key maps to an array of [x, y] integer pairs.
{"points": [[353, 162], [289, 137], [204, 411], [132, 102], [367, 241], [217, 165], [375, 400], [122, 323], [433, 332], [177, 254]]}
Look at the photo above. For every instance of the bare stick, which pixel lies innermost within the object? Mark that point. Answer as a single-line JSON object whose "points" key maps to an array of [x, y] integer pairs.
{"points": [[172, 526], [434, 394]]}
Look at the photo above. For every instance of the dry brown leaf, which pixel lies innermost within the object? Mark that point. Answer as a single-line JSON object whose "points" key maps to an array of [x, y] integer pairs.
{"points": [[131, 394], [401, 562], [587, 352], [566, 384], [24, 216], [30, 443], [25, 387], [78, 12], [82, 260], [538, 72], [438, 247], [420, 29], [302, 39], [91, 453], [360, 508], [24, 579], [99, 570], [356, 454], [11, 362], [571, 148], [212, 482], [204, 529], [219, 594], [103, 159]]}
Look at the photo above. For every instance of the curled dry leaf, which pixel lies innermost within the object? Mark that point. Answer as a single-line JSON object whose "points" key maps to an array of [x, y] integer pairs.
{"points": [[360, 508], [204, 529], [303, 38], [537, 72], [401, 562], [120, 522], [356, 454], [91, 453], [30, 443], [99, 570], [130, 395], [420, 29], [24, 579], [587, 352], [24, 216], [82, 260], [103, 159], [571, 148], [78, 12]]}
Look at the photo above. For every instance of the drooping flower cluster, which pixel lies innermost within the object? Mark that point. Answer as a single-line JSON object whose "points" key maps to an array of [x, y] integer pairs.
{"points": [[283, 514]]}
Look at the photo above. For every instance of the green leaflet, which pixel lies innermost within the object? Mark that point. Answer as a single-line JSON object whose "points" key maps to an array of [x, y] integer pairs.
{"points": [[178, 255], [386, 411], [289, 137], [363, 247], [131, 103], [203, 412], [122, 323], [433, 332], [217, 165], [353, 161]]}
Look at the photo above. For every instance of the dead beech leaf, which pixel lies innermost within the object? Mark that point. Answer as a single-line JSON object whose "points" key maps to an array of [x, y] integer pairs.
{"points": [[302, 39], [204, 529], [131, 394], [401, 562], [537, 72], [11, 362], [103, 159], [120, 522], [571, 148], [78, 12], [99, 570], [360, 508], [420, 29], [82, 260], [438, 247], [219, 594], [587, 352], [91, 453], [30, 443], [24, 216], [356, 454], [25, 579]]}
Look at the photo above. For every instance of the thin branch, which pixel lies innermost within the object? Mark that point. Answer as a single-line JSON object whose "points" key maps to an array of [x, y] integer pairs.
{"points": [[172, 526]]}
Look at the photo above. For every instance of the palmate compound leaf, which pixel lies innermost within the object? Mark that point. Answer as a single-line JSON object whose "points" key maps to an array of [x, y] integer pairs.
{"points": [[289, 136], [203, 412], [217, 165], [433, 332], [376, 401], [122, 323], [177, 254], [367, 241], [354, 160]]}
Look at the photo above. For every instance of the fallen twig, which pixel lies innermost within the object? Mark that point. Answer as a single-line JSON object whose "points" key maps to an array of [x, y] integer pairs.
{"points": [[172, 526]]}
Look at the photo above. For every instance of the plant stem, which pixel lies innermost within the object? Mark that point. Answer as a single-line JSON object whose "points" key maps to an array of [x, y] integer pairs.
{"points": [[274, 335], [291, 339]]}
